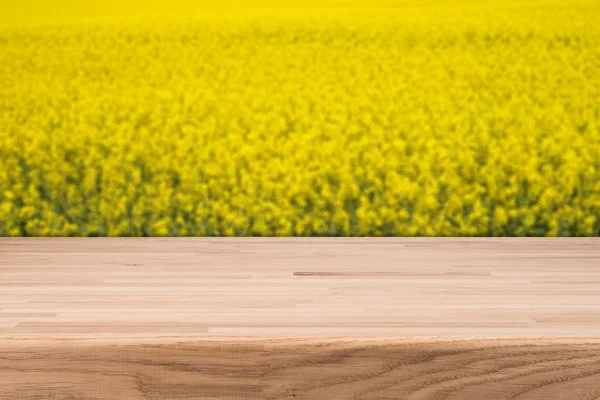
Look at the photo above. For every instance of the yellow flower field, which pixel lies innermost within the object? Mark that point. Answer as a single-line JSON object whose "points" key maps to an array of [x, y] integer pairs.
{"points": [[450, 119]]}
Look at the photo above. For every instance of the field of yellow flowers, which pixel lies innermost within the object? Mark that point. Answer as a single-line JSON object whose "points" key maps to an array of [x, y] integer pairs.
{"points": [[397, 119]]}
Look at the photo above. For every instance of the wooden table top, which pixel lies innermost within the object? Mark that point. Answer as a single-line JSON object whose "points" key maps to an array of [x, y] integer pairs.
{"points": [[297, 287], [290, 317]]}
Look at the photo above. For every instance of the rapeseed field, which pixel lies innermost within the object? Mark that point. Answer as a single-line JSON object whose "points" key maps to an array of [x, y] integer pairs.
{"points": [[447, 118]]}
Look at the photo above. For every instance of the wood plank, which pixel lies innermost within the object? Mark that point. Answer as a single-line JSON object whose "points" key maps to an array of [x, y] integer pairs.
{"points": [[365, 318]]}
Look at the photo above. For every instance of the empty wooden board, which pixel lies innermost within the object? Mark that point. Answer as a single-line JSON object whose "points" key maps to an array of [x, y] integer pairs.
{"points": [[368, 318]]}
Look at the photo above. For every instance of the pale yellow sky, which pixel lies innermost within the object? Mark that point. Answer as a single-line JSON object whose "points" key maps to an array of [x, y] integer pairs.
{"points": [[73, 10], [42, 9]]}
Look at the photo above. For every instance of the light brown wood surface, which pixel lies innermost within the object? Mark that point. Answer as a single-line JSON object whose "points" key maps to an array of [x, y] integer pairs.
{"points": [[315, 318]]}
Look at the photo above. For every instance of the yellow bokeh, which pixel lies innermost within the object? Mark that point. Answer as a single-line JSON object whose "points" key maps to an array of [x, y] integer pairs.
{"points": [[352, 118]]}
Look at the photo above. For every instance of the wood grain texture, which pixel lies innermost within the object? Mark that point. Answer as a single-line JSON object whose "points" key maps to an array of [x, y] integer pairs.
{"points": [[302, 369], [199, 318]]}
